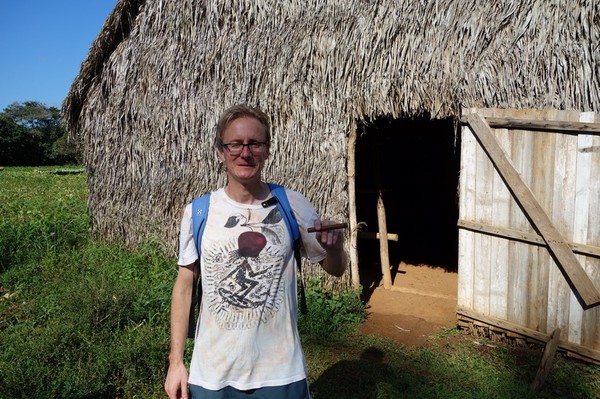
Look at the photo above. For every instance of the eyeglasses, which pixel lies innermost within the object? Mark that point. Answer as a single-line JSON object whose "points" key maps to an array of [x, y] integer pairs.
{"points": [[255, 147]]}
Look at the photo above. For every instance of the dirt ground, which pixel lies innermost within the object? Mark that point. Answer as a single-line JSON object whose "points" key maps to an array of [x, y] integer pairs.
{"points": [[421, 303]]}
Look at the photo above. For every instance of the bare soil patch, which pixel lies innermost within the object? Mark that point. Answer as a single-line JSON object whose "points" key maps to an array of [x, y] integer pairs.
{"points": [[421, 303]]}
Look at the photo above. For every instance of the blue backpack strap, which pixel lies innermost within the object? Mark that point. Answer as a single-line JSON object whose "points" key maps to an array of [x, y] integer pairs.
{"points": [[199, 214], [292, 224], [286, 211]]}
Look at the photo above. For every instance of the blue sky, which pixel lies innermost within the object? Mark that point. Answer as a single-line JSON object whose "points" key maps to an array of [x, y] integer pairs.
{"points": [[43, 44]]}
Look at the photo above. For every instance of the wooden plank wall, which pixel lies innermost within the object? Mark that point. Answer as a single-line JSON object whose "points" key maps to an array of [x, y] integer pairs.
{"points": [[517, 281]]}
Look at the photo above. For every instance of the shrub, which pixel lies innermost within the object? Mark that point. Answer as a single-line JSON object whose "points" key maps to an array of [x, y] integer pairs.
{"points": [[330, 314]]}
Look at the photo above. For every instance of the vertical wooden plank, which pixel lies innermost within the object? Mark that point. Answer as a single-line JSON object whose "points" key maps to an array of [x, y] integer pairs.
{"points": [[483, 214], [519, 265], [542, 187], [590, 334], [498, 246], [581, 220], [563, 209], [466, 261]]}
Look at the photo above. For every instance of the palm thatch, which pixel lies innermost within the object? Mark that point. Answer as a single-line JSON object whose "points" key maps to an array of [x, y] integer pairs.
{"points": [[148, 96]]}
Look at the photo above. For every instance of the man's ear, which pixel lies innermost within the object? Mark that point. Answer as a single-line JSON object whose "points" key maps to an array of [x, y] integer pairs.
{"points": [[221, 154]]}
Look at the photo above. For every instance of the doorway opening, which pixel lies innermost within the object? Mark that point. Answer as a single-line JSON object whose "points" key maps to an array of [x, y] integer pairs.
{"points": [[415, 163]]}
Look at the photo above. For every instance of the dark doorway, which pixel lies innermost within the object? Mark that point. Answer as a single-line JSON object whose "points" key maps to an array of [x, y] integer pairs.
{"points": [[418, 162]]}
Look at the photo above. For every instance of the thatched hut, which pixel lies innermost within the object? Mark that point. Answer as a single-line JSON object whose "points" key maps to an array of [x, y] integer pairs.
{"points": [[365, 97]]}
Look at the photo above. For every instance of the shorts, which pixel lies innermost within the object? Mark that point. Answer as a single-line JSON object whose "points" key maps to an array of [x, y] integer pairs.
{"points": [[295, 390]]}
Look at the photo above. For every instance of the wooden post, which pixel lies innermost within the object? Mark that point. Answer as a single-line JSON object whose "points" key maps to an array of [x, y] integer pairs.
{"points": [[546, 363], [382, 224], [352, 206], [383, 244]]}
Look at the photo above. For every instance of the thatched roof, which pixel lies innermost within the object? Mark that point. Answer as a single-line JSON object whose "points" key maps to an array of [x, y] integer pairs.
{"points": [[147, 98]]}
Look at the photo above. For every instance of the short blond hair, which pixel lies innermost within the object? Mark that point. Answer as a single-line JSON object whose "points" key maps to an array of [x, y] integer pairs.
{"points": [[241, 111]]}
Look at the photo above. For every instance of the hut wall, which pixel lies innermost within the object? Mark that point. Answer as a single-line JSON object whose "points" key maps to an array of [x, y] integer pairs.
{"points": [[512, 280], [147, 98]]}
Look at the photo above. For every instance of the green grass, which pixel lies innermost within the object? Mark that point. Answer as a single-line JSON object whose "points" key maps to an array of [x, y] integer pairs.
{"points": [[84, 319], [374, 367]]}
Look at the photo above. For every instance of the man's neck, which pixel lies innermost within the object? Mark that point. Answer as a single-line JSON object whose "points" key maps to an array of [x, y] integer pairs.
{"points": [[247, 193]]}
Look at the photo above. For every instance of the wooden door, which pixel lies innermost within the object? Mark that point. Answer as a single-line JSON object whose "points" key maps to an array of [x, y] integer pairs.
{"points": [[529, 239]]}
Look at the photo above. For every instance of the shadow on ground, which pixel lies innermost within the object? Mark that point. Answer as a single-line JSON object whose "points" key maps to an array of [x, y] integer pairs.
{"points": [[347, 379]]}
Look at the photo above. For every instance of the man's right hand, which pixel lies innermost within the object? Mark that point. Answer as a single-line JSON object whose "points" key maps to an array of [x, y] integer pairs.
{"points": [[176, 383]]}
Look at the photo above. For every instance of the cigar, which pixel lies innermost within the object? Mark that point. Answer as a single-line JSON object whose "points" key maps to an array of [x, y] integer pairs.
{"points": [[333, 226]]}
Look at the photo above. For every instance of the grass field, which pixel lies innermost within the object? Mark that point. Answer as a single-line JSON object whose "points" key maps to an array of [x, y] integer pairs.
{"points": [[86, 319]]}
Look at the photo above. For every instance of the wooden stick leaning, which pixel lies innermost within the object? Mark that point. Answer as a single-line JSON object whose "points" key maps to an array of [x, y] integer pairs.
{"points": [[332, 226]]}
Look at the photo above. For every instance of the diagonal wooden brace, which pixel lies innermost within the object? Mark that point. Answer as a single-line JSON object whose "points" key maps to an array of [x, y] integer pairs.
{"points": [[581, 284], [547, 358]]}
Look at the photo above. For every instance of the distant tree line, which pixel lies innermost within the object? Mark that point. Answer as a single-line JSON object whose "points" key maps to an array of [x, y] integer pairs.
{"points": [[32, 134]]}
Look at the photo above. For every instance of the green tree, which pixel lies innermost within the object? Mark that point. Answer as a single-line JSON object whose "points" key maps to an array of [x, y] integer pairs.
{"points": [[12, 141], [65, 152], [33, 135]]}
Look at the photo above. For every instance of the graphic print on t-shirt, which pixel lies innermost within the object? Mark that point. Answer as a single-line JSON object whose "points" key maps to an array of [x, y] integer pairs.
{"points": [[244, 273]]}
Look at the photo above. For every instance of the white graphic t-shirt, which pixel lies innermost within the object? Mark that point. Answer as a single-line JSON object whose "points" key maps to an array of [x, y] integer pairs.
{"points": [[247, 335]]}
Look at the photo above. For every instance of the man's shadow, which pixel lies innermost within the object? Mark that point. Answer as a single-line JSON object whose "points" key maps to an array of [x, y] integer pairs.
{"points": [[368, 377]]}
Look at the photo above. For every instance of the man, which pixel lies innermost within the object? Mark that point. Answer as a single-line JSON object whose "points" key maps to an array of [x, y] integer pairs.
{"points": [[247, 343]]}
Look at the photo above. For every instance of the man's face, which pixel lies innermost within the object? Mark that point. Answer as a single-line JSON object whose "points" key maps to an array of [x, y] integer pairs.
{"points": [[246, 165]]}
